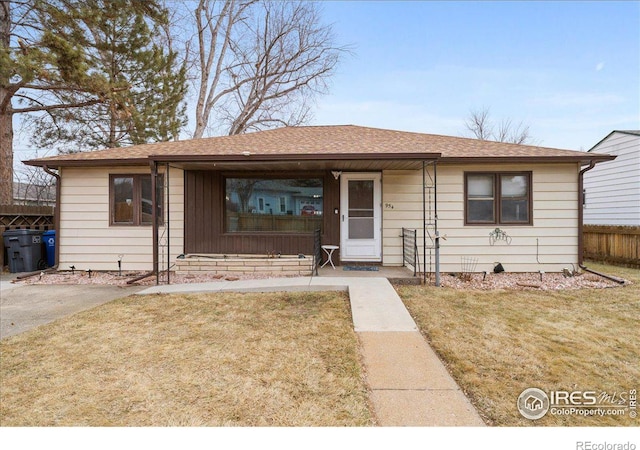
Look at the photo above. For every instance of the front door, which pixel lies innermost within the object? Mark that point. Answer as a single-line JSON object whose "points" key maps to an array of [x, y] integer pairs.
{"points": [[360, 217]]}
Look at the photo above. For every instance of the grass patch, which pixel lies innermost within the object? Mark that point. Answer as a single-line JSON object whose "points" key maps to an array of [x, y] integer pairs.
{"points": [[498, 343], [190, 360]]}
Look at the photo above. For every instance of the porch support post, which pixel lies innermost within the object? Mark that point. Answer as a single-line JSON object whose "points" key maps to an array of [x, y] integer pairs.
{"points": [[424, 223], [432, 220], [435, 220], [166, 225], [154, 218]]}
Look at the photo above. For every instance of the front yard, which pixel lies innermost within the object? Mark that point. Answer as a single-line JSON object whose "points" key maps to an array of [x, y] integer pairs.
{"points": [[189, 360], [293, 360], [498, 343]]}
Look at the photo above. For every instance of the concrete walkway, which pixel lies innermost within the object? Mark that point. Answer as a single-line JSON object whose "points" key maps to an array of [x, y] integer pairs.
{"points": [[23, 307], [409, 384]]}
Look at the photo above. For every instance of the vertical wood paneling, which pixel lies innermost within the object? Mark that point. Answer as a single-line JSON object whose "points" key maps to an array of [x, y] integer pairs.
{"points": [[331, 232], [204, 229]]}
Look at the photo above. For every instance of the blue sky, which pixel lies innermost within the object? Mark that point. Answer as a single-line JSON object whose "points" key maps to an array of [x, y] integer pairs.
{"points": [[570, 70]]}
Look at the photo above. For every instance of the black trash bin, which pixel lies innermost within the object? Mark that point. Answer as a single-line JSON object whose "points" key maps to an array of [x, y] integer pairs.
{"points": [[24, 250]]}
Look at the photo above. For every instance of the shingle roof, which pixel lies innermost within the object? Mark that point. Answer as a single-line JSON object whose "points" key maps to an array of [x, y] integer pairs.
{"points": [[34, 192], [337, 141]]}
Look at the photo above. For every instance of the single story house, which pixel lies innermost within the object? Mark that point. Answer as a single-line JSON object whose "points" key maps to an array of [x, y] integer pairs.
{"points": [[265, 192], [612, 189]]}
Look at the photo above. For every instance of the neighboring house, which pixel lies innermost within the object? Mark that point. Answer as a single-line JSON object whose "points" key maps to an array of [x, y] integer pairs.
{"points": [[359, 185], [612, 189], [33, 194]]}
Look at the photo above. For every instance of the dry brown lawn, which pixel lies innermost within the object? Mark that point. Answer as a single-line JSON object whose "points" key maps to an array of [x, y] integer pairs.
{"points": [[498, 343], [190, 360]]}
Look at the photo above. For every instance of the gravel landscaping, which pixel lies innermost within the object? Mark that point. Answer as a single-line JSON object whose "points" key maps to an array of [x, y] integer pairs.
{"points": [[480, 281]]}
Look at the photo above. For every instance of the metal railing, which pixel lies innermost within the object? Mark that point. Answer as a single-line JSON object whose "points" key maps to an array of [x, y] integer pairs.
{"points": [[317, 251], [410, 249]]}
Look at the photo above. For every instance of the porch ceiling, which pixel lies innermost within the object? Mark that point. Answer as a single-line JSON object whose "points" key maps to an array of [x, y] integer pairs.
{"points": [[306, 165]]}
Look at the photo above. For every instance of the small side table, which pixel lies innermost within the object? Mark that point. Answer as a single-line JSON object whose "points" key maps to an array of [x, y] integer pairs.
{"points": [[329, 249]]}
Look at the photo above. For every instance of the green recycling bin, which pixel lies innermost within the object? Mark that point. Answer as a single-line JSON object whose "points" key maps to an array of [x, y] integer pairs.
{"points": [[24, 250]]}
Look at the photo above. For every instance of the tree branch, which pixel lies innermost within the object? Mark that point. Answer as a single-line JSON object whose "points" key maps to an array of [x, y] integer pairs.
{"points": [[43, 107]]}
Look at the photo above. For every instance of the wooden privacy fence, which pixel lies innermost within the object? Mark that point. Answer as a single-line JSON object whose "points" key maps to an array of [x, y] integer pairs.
{"points": [[614, 244], [21, 217]]}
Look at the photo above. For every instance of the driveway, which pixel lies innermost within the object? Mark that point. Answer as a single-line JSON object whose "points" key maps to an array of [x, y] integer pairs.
{"points": [[23, 307]]}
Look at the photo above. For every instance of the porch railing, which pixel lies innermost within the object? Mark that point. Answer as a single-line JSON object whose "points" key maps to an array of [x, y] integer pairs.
{"points": [[317, 251], [410, 249]]}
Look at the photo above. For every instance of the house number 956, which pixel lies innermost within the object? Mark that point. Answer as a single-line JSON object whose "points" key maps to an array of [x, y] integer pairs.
{"points": [[388, 206]]}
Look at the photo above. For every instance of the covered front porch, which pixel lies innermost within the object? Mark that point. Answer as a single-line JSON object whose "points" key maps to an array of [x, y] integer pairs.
{"points": [[264, 212]]}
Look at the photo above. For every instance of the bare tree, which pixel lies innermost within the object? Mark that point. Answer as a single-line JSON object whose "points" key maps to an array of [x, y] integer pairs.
{"points": [[260, 64], [215, 24], [244, 188], [515, 134], [36, 187], [480, 124]]}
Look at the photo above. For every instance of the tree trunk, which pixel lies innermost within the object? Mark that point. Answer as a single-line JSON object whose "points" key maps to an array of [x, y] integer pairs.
{"points": [[6, 156], [6, 114]]}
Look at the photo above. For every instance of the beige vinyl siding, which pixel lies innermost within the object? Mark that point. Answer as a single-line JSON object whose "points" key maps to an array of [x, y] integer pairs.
{"points": [[555, 219], [87, 241], [613, 187]]}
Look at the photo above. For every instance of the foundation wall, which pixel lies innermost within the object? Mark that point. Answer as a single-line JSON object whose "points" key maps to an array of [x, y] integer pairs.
{"points": [[293, 265]]}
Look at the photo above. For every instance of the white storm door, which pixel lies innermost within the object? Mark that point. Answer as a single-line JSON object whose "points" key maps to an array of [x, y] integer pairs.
{"points": [[360, 217]]}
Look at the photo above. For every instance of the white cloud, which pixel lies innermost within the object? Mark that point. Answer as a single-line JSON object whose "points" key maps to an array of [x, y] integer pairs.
{"points": [[600, 66]]}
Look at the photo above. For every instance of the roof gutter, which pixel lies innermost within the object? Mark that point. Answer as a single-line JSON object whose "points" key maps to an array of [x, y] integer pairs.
{"points": [[248, 156], [526, 159], [57, 163], [581, 226], [592, 164], [242, 157]]}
